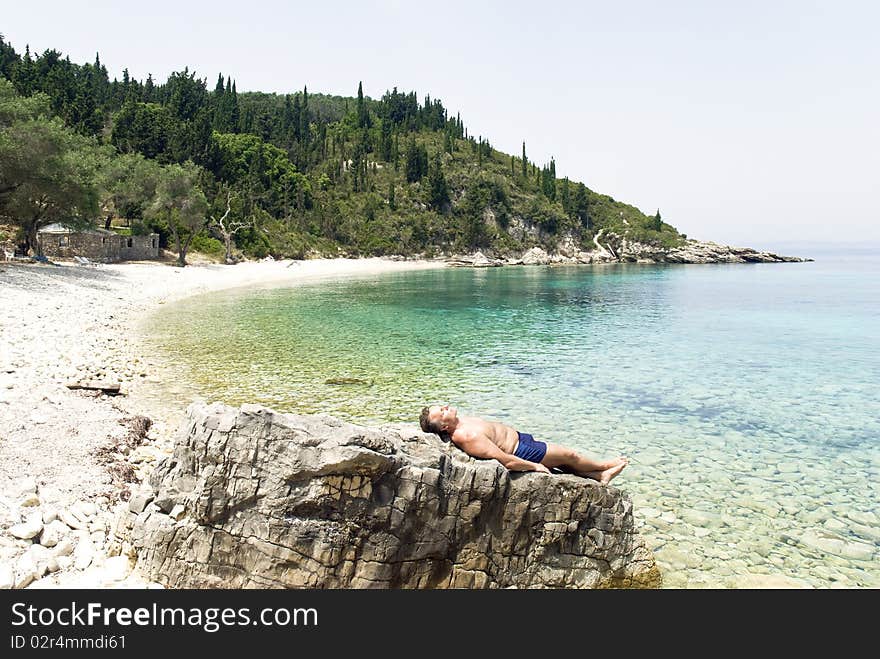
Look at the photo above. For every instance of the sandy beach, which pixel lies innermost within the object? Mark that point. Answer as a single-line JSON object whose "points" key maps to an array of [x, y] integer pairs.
{"points": [[66, 454]]}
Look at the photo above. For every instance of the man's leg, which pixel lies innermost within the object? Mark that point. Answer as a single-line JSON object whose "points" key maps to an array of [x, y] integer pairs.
{"points": [[602, 471]]}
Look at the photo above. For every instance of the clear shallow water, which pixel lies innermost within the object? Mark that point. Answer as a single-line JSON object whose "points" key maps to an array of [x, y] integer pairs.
{"points": [[745, 395]]}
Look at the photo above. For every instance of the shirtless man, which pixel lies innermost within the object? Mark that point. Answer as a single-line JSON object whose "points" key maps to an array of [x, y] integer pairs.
{"points": [[517, 451]]}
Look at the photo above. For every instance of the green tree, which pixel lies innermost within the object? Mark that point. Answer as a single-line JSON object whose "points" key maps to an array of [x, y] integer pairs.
{"points": [[385, 141], [363, 116], [128, 186], [565, 196], [181, 205], [656, 222], [416, 161], [48, 172], [438, 190], [580, 206], [142, 128]]}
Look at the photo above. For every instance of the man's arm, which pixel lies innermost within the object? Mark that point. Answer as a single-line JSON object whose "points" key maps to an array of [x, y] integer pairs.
{"points": [[480, 446]]}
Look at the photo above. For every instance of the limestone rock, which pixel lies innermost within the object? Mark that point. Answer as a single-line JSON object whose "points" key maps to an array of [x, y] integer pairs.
{"points": [[63, 548], [30, 528], [84, 553], [53, 532], [268, 500], [536, 256]]}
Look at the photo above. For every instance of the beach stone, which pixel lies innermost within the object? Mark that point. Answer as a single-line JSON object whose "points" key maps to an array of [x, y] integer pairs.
{"points": [[765, 581], [29, 501], [50, 514], [28, 529], [64, 548], [858, 551], [866, 532], [139, 500], [71, 520], [52, 565], [26, 571], [674, 558], [835, 525], [837, 546], [53, 533], [84, 553], [700, 518], [866, 518], [39, 553], [84, 509]]}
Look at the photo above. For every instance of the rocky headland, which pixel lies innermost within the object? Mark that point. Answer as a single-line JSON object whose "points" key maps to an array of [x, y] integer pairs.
{"points": [[612, 248]]}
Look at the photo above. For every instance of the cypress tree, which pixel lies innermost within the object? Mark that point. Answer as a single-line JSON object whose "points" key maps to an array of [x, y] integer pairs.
{"points": [[234, 111], [525, 161], [580, 206], [363, 117], [438, 189], [565, 195], [304, 117], [385, 142], [413, 161], [296, 118]]}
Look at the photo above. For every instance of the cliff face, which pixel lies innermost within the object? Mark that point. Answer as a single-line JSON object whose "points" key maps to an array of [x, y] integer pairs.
{"points": [[256, 499]]}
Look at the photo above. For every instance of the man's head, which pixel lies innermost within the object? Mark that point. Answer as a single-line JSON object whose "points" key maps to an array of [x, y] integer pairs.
{"points": [[439, 419]]}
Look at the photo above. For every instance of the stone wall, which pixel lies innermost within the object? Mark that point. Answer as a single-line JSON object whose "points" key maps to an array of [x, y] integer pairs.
{"points": [[98, 246], [256, 499]]}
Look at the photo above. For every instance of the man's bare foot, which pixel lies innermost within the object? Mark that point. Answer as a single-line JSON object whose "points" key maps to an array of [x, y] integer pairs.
{"points": [[613, 462], [611, 472]]}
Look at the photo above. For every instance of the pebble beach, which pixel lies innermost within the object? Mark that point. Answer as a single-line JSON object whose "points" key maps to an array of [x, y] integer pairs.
{"points": [[69, 456]]}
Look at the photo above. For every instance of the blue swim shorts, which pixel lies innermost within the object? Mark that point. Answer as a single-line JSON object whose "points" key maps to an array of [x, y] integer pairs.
{"points": [[530, 448]]}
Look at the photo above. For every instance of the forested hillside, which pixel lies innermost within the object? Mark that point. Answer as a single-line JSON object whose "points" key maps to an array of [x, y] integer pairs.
{"points": [[287, 175]]}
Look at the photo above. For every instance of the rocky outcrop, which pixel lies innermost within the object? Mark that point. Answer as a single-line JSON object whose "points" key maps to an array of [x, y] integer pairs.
{"points": [[254, 498], [614, 249], [694, 251], [475, 260]]}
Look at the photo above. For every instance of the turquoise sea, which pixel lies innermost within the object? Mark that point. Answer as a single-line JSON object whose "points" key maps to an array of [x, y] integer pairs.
{"points": [[746, 396]]}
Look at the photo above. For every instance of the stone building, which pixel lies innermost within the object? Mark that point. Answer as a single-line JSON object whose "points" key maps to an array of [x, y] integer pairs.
{"points": [[59, 242]]}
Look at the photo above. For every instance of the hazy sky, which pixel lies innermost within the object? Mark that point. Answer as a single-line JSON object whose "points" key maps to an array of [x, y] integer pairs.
{"points": [[744, 122]]}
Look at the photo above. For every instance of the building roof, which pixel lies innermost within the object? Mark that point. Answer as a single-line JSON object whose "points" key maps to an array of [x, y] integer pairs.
{"points": [[57, 227]]}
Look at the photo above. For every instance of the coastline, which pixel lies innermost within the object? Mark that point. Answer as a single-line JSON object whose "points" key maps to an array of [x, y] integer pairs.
{"points": [[64, 450]]}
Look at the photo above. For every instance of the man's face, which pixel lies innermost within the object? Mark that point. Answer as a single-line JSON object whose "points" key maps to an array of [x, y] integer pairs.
{"points": [[442, 415]]}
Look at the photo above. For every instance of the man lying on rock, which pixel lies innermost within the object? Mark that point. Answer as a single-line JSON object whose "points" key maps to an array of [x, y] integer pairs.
{"points": [[518, 451]]}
